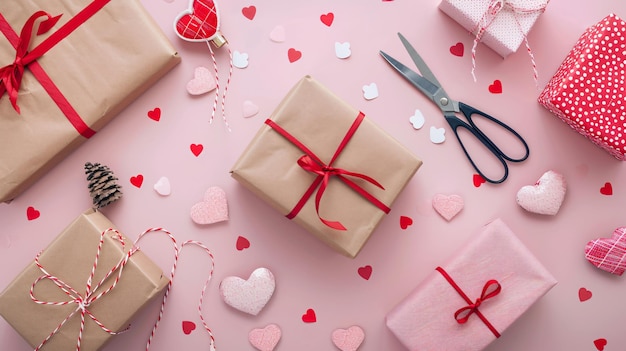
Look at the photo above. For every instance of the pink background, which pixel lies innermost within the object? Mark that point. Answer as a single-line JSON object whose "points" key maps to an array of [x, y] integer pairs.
{"points": [[308, 273]]}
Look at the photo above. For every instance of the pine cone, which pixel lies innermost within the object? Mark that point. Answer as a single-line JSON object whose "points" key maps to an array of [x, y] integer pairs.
{"points": [[103, 186]]}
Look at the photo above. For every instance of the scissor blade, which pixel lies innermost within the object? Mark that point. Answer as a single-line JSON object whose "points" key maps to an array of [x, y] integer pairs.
{"points": [[419, 62], [424, 85]]}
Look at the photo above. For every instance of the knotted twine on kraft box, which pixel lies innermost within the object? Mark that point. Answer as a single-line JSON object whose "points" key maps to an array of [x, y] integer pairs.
{"points": [[70, 259], [326, 166], [469, 301], [67, 67]]}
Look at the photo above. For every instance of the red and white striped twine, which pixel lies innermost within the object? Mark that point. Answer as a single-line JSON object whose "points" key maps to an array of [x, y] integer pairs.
{"points": [[89, 297], [217, 84], [494, 8]]}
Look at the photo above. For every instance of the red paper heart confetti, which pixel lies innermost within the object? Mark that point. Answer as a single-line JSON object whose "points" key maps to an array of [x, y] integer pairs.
{"points": [[196, 149], [608, 254], [249, 12], [600, 344], [457, 49], [496, 87], [584, 294], [478, 180], [405, 222], [242, 243], [188, 327], [607, 189], [293, 55], [200, 22], [136, 180], [309, 316], [365, 272], [155, 114], [32, 213], [328, 18]]}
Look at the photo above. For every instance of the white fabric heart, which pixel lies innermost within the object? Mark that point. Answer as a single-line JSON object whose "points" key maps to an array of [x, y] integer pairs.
{"points": [[546, 196], [251, 295]]}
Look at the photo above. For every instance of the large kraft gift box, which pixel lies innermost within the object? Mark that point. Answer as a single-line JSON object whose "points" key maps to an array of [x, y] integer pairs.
{"points": [[587, 90], [469, 301], [94, 72], [318, 120], [70, 258]]}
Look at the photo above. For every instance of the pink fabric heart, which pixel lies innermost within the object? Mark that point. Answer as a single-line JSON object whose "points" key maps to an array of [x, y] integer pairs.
{"points": [[213, 209], [265, 339], [448, 206], [251, 295], [546, 196], [608, 254], [202, 82], [348, 339]]}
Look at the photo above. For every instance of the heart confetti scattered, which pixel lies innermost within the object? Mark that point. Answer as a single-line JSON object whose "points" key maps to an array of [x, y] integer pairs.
{"points": [[478, 180], [608, 254], [212, 209], [342, 50], [448, 206], [365, 272], [437, 135], [348, 339], [137, 180], [249, 12], [600, 344], [249, 109], [496, 87], [370, 91], [457, 49], [202, 81], [251, 295], [196, 149], [327, 18], [309, 316], [155, 114], [584, 294], [293, 55], [607, 189], [240, 59], [417, 120], [162, 186], [265, 339], [277, 34], [405, 222], [32, 213], [546, 196], [242, 243], [188, 327]]}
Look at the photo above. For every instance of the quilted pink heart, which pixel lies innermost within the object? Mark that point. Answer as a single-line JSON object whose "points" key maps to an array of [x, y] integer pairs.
{"points": [[348, 339], [265, 339], [212, 209], [251, 295], [608, 254], [448, 206], [202, 82], [546, 196]]}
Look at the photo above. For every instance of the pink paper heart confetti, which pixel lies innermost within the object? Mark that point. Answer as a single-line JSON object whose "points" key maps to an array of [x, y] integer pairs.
{"points": [[265, 339], [277, 34], [249, 109], [212, 209], [448, 206], [251, 295], [348, 339], [546, 196], [202, 82], [162, 186], [608, 254]]}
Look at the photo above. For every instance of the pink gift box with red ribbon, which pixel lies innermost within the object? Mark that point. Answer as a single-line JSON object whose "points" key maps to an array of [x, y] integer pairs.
{"points": [[588, 90], [472, 299]]}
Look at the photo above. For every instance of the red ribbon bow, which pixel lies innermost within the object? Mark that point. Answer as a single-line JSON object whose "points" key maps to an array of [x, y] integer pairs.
{"points": [[491, 288], [311, 163]]}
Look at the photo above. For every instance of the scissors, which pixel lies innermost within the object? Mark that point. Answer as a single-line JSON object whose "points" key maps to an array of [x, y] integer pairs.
{"points": [[428, 84]]}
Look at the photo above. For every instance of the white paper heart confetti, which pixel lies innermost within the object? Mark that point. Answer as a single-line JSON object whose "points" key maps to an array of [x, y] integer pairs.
{"points": [[437, 135], [202, 82], [342, 50], [162, 186], [212, 209], [277, 34], [251, 295], [240, 59], [249, 109], [370, 91], [417, 120]]}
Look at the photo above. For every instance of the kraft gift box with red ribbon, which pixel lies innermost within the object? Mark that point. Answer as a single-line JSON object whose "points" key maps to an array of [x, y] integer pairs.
{"points": [[67, 68], [90, 273], [468, 302], [587, 90], [324, 165]]}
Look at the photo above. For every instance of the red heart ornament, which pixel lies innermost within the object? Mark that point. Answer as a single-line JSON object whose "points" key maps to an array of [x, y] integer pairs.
{"points": [[457, 49], [496, 87], [600, 344], [242, 243], [136, 180], [309, 316], [32, 213], [607, 189], [188, 327], [584, 294], [478, 180], [365, 272], [200, 22], [294, 55], [328, 18], [608, 254], [196, 149], [249, 12], [405, 222], [155, 114]]}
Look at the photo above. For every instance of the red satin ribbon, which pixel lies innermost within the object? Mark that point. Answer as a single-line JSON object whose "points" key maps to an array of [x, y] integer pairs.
{"points": [[11, 75], [311, 163], [462, 315]]}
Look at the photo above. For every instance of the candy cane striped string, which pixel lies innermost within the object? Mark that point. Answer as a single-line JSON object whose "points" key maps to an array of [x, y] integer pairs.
{"points": [[217, 84], [494, 8]]}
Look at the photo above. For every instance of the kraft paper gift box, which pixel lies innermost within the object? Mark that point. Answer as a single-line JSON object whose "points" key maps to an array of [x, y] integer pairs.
{"points": [[315, 117], [495, 267], [77, 86], [502, 25], [587, 90], [70, 258]]}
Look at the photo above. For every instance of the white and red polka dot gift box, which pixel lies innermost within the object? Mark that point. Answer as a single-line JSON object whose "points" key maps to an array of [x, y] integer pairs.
{"points": [[588, 90]]}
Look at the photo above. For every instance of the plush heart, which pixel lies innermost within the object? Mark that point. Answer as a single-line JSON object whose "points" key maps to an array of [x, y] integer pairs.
{"points": [[212, 209], [608, 254], [200, 22], [202, 82], [265, 339], [348, 339], [546, 196], [251, 295], [448, 206]]}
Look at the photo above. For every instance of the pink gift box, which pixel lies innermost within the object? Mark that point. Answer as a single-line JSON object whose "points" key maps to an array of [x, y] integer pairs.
{"points": [[430, 317], [506, 23], [587, 91]]}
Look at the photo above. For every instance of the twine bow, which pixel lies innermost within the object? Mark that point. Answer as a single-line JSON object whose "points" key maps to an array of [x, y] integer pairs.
{"points": [[491, 13]]}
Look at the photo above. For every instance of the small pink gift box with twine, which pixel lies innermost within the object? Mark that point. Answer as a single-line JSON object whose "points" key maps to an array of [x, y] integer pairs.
{"points": [[469, 302]]}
